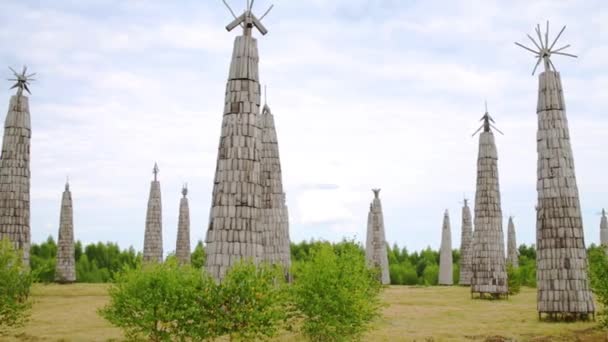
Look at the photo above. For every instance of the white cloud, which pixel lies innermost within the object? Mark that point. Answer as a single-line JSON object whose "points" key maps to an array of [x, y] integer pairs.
{"points": [[365, 94]]}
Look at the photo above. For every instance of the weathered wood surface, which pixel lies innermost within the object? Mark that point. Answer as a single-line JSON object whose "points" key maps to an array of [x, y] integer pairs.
{"points": [[512, 251], [274, 214], [182, 245], [562, 283], [15, 176], [65, 268], [446, 276], [248, 218], [466, 246], [153, 238], [375, 248], [488, 264]]}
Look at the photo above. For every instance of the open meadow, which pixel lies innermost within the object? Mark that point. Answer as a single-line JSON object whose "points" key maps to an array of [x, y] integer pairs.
{"points": [[68, 313]]}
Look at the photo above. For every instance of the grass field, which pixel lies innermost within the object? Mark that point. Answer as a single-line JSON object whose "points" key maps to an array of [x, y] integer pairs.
{"points": [[68, 313]]}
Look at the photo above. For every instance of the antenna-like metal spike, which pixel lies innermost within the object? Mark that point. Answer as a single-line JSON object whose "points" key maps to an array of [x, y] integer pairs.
{"points": [[556, 38], [534, 42], [566, 54], [547, 35], [540, 37], [527, 48], [267, 11]]}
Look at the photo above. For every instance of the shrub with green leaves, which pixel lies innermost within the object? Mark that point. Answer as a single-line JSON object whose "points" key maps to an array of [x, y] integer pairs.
{"points": [[253, 301], [164, 302], [513, 280], [15, 284], [335, 293], [598, 269]]}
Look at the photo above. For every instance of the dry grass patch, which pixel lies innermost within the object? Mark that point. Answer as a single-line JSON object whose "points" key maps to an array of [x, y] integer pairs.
{"points": [[69, 313]]}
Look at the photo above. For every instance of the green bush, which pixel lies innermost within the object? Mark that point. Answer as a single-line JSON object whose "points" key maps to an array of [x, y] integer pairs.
{"points": [[197, 258], [430, 275], [335, 293], [513, 280], [252, 301], [15, 284], [163, 302], [527, 271], [598, 271]]}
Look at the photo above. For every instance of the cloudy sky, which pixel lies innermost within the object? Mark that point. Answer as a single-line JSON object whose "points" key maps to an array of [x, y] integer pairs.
{"points": [[366, 93]]}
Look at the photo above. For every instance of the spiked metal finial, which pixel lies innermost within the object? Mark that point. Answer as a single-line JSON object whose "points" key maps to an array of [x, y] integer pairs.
{"points": [[185, 189], [155, 170], [247, 20], [488, 123], [67, 183], [544, 50], [22, 80]]}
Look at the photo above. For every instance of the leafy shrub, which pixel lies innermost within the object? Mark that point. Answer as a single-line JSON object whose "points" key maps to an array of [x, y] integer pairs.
{"points": [[15, 283], [197, 257], [598, 270], [163, 302], [431, 275], [252, 301], [513, 280], [335, 293]]}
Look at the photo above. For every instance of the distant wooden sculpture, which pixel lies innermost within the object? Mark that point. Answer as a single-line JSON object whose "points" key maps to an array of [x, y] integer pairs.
{"points": [[604, 229], [562, 283], [153, 238], [248, 218], [15, 168], [65, 267], [182, 247], [489, 275], [512, 251], [274, 214], [466, 246], [446, 268], [375, 247]]}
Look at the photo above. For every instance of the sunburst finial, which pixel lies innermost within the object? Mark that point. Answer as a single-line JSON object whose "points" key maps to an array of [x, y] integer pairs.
{"points": [[544, 50], [488, 123], [22, 80], [247, 20]]}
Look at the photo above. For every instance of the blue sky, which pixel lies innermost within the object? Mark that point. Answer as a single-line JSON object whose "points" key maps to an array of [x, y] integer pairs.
{"points": [[365, 94]]}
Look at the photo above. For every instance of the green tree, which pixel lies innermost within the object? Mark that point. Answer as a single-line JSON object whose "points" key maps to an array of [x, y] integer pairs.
{"points": [[335, 293], [598, 271], [15, 283], [514, 280], [197, 258], [252, 301], [163, 302], [431, 275]]}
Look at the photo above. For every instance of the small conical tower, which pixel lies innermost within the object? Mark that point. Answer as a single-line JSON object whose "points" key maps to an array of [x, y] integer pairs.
{"points": [[153, 239], [275, 218], [466, 246], [561, 258], [446, 267], [182, 248], [65, 268], [375, 251], [604, 229], [15, 168], [512, 252], [235, 230], [488, 264]]}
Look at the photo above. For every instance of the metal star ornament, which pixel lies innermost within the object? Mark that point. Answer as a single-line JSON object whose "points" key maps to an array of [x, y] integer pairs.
{"points": [[543, 50], [22, 80]]}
